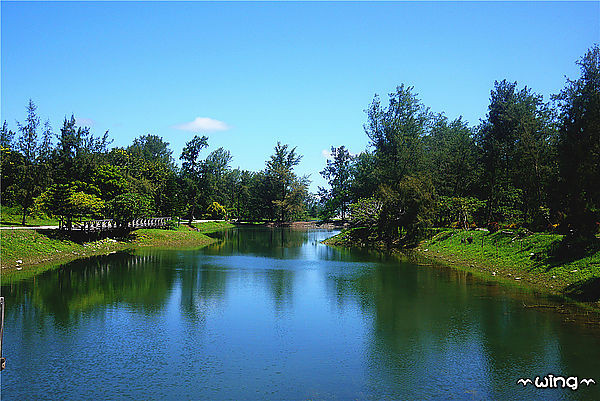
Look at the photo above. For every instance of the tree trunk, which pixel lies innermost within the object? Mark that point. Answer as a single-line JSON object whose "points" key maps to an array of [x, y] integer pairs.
{"points": [[191, 215]]}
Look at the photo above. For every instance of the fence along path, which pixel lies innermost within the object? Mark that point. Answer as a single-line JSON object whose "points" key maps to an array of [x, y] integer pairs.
{"points": [[110, 224]]}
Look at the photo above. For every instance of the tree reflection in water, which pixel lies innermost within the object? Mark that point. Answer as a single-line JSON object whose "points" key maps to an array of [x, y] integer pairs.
{"points": [[276, 311]]}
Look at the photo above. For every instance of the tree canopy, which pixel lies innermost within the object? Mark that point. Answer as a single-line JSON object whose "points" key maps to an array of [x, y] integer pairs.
{"points": [[529, 163]]}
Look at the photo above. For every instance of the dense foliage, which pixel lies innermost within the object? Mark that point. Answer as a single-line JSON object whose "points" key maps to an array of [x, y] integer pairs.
{"points": [[79, 177], [529, 163]]}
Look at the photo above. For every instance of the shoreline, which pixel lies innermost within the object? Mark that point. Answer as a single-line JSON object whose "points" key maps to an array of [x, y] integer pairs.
{"points": [[42, 251], [564, 282]]}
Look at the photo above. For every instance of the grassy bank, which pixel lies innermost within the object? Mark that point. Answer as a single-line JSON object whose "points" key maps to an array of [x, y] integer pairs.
{"points": [[28, 252], [536, 260], [12, 216]]}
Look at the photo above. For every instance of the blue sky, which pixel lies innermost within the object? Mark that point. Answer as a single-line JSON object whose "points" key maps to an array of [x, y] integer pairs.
{"points": [[251, 74]]}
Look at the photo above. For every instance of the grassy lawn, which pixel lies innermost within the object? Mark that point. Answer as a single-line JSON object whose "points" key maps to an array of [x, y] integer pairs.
{"points": [[536, 254], [38, 251], [11, 216], [43, 250], [183, 237], [15, 220], [211, 226]]}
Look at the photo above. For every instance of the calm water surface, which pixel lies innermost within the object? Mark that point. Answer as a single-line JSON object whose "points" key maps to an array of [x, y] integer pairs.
{"points": [[274, 314]]}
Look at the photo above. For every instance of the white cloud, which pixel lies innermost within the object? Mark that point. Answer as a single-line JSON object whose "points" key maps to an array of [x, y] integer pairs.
{"points": [[326, 154], [202, 124], [84, 122]]}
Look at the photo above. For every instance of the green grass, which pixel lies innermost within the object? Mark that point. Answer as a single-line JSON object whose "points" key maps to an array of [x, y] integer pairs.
{"points": [[183, 237], [538, 253], [12, 216], [15, 220], [212, 226], [538, 259], [40, 251]]}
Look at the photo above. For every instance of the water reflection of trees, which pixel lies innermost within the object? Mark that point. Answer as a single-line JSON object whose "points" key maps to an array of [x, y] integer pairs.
{"points": [[144, 280], [280, 283], [275, 243], [470, 336], [140, 281], [202, 286]]}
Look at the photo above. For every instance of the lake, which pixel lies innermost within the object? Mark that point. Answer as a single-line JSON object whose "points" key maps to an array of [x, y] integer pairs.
{"points": [[275, 314]]}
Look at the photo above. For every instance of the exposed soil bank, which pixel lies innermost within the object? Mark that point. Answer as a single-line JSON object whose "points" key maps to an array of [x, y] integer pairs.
{"points": [[29, 252], [530, 261]]}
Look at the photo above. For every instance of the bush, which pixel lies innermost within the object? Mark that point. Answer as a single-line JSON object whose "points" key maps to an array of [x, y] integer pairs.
{"points": [[171, 225], [365, 212], [126, 207], [86, 205], [63, 200], [216, 211]]}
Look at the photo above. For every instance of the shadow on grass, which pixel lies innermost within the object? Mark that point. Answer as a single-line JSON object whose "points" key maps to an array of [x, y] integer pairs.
{"points": [[81, 237], [584, 291], [563, 252]]}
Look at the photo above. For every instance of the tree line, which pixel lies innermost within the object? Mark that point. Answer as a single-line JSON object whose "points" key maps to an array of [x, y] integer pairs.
{"points": [[529, 163], [74, 175]]}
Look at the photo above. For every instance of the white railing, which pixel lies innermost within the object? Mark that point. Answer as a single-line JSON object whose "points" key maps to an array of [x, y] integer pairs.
{"points": [[109, 224]]}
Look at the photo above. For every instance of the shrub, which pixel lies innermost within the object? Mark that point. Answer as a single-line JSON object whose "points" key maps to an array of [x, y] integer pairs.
{"points": [[171, 225], [65, 201], [216, 211], [365, 212], [128, 206]]}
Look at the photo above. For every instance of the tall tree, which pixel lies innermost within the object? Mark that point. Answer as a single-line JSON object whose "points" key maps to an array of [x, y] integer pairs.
{"points": [[515, 141], [6, 136], [338, 173], [33, 172], [191, 169], [214, 178], [151, 148], [10, 162], [364, 176], [396, 133], [152, 171], [285, 184], [28, 140], [579, 145], [78, 152], [452, 157]]}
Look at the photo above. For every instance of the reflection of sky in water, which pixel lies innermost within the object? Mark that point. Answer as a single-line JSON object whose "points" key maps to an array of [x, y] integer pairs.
{"points": [[275, 314]]}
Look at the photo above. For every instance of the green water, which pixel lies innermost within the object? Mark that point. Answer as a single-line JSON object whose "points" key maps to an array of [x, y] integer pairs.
{"points": [[274, 314]]}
